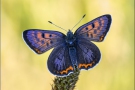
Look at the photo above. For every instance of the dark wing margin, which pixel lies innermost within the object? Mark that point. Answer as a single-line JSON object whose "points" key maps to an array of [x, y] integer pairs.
{"points": [[59, 62], [96, 29], [42, 40]]}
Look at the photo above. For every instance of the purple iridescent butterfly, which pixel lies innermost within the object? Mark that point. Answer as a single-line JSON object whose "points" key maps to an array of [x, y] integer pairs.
{"points": [[72, 49]]}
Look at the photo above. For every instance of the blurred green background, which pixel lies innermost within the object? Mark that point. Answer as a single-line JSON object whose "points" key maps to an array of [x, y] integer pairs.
{"points": [[22, 69]]}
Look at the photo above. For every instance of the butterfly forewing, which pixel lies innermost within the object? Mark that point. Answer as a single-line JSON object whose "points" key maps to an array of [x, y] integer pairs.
{"points": [[95, 30], [42, 40], [88, 54], [59, 62]]}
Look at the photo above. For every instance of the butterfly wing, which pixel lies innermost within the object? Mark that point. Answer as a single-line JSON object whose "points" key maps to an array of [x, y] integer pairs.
{"points": [[95, 30], [88, 54], [42, 40], [59, 62]]}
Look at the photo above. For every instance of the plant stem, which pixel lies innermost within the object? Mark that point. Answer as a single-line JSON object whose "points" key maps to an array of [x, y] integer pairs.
{"points": [[66, 83]]}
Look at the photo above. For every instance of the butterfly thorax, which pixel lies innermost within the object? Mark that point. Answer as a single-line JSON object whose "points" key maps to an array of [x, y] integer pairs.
{"points": [[70, 39]]}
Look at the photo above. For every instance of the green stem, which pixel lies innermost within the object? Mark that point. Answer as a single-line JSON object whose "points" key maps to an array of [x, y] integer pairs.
{"points": [[66, 83]]}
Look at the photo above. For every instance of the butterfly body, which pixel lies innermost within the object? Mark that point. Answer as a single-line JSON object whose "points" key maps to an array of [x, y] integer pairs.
{"points": [[71, 50], [71, 45]]}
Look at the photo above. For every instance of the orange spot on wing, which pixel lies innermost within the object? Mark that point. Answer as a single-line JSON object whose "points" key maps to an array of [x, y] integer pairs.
{"points": [[96, 23], [47, 35], [86, 65], [86, 30], [89, 27], [66, 71], [39, 35], [101, 38], [38, 51]]}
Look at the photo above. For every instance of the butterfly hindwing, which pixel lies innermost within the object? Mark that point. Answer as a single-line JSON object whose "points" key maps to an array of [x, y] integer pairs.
{"points": [[95, 30], [42, 40], [59, 62], [88, 54]]}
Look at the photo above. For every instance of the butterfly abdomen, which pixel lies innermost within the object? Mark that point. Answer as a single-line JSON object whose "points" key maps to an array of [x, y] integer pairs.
{"points": [[73, 56]]}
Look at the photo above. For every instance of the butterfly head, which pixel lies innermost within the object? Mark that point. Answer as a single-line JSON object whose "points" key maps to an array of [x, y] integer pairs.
{"points": [[69, 34], [70, 38]]}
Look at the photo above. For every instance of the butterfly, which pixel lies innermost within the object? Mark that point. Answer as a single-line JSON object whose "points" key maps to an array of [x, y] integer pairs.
{"points": [[73, 49]]}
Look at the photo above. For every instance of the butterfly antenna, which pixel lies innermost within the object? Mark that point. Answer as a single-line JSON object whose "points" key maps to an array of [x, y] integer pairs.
{"points": [[57, 26], [79, 20]]}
